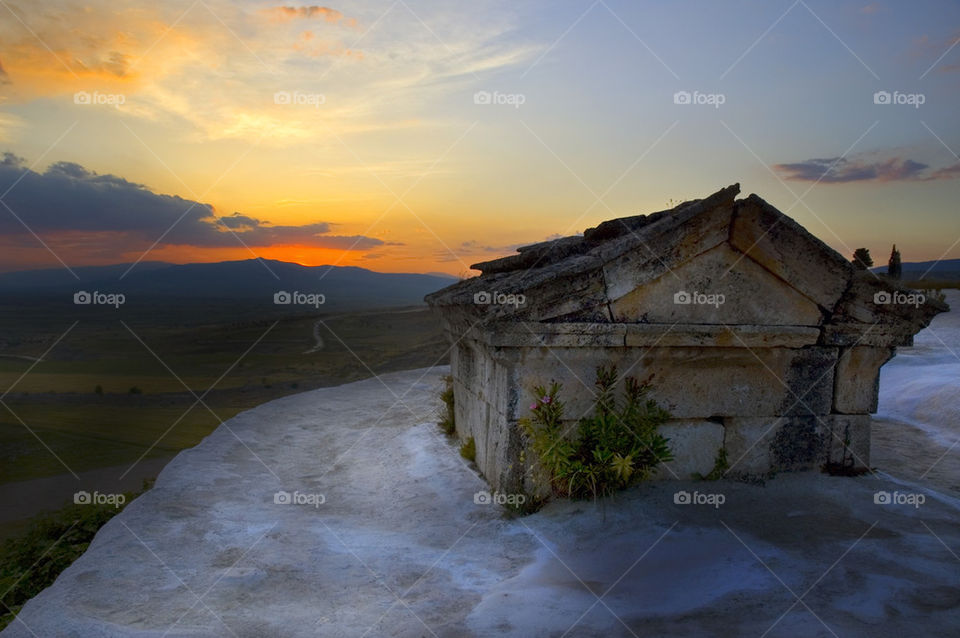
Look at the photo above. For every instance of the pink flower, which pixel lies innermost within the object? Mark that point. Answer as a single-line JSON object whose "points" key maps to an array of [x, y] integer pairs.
{"points": [[534, 406]]}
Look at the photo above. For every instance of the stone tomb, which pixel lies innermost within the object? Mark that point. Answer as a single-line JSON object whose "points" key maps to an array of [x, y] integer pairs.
{"points": [[756, 336]]}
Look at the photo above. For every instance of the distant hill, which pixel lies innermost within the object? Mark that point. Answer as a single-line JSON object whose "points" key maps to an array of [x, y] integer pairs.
{"points": [[944, 270], [343, 287], [54, 277]]}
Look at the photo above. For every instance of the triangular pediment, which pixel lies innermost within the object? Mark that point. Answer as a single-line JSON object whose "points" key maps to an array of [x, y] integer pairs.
{"points": [[719, 286], [728, 261]]}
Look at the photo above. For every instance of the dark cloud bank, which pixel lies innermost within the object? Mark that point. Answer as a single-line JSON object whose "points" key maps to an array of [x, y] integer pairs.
{"points": [[68, 197]]}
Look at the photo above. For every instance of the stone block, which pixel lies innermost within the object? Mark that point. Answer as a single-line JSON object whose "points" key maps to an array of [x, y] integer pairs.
{"points": [[800, 443], [857, 379], [747, 441], [729, 336], [848, 439], [694, 444]]}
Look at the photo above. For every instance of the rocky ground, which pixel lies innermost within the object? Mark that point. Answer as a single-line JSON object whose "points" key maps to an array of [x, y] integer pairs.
{"points": [[382, 537]]}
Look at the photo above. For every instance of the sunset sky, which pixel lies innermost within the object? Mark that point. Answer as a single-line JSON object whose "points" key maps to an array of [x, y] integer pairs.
{"points": [[426, 136]]}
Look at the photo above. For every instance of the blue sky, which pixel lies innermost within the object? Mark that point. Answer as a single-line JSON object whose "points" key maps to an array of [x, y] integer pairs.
{"points": [[383, 157]]}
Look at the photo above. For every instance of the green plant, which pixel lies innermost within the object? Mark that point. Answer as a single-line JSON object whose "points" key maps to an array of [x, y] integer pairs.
{"points": [[720, 466], [617, 446], [894, 265], [30, 562], [447, 422], [861, 259], [469, 450]]}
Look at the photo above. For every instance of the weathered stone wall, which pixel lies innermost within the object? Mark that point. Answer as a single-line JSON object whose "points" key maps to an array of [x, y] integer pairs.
{"points": [[485, 392], [770, 408]]}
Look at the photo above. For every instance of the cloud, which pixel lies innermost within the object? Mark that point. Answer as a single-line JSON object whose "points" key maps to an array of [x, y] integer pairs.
{"points": [[203, 82], [472, 246], [286, 14], [239, 222], [948, 172], [842, 170], [68, 198], [4, 78], [933, 48]]}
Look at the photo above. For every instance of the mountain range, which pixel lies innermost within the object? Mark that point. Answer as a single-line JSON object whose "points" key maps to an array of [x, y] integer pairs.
{"points": [[942, 270], [246, 280], [254, 280]]}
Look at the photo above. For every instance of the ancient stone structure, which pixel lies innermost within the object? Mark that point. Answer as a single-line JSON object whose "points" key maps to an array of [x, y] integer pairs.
{"points": [[755, 335]]}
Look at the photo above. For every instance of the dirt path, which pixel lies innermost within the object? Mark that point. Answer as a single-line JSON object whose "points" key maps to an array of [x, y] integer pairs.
{"points": [[318, 338]]}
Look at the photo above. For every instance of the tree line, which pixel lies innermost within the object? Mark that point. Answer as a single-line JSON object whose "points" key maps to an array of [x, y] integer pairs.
{"points": [[863, 261]]}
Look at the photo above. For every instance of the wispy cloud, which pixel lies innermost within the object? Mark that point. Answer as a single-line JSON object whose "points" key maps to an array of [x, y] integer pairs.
{"points": [[217, 70], [287, 13], [835, 170]]}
